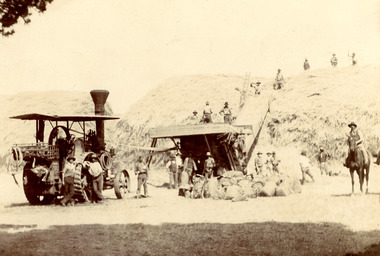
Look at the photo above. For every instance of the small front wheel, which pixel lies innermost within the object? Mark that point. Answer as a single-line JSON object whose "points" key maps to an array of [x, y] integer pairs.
{"points": [[122, 184]]}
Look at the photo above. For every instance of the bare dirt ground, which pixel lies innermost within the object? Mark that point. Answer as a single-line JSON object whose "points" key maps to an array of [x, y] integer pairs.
{"points": [[323, 220]]}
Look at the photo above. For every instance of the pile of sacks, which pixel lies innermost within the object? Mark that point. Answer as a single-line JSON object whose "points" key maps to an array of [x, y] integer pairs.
{"points": [[237, 187]]}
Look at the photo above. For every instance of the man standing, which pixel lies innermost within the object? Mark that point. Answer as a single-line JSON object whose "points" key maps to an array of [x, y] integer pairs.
{"points": [[68, 173], [142, 178], [334, 60], [357, 135], [259, 162], [257, 88], [189, 168], [209, 166], [279, 81], [227, 113], [268, 164], [275, 162], [173, 172], [322, 159], [306, 65], [305, 166], [96, 173], [353, 58], [207, 113], [179, 163]]}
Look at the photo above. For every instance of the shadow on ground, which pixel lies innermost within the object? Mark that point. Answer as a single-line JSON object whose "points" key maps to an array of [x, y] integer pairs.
{"points": [[270, 238]]}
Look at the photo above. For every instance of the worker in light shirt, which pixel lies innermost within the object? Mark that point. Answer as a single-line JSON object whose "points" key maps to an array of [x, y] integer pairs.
{"points": [[305, 166], [96, 173]]}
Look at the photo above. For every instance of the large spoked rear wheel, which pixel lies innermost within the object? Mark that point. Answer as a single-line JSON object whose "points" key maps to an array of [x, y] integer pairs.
{"points": [[122, 184], [31, 190]]}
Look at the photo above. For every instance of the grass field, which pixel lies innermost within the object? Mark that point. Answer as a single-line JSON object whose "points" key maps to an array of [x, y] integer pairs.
{"points": [[269, 238]]}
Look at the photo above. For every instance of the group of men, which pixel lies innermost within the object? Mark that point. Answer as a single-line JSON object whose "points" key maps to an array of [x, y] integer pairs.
{"points": [[96, 172], [183, 172], [226, 112], [267, 166]]}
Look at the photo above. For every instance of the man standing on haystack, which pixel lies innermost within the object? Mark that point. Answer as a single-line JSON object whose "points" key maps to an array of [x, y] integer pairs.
{"points": [[207, 113], [279, 81], [334, 60], [257, 88], [306, 65], [322, 159], [227, 113]]}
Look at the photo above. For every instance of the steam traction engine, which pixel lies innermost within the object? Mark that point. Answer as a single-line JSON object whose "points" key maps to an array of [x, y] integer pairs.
{"points": [[43, 163]]}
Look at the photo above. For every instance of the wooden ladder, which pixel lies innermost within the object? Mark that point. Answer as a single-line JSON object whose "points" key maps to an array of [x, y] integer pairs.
{"points": [[243, 93]]}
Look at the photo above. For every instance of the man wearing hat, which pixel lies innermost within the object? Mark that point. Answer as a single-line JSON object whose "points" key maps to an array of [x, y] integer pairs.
{"points": [[279, 81], [207, 113], [306, 65], [173, 171], [96, 173], [334, 60], [259, 163], [357, 135], [322, 159], [268, 164], [227, 113], [353, 59], [68, 177], [142, 177], [305, 166], [208, 166], [257, 88], [275, 162]]}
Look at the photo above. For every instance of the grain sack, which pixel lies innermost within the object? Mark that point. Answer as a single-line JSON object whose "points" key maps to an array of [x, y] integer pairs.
{"points": [[232, 192], [239, 198], [225, 182], [296, 186], [247, 187], [256, 187], [269, 189], [282, 190]]}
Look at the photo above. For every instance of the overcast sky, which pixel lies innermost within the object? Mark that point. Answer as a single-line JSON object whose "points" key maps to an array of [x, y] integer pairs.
{"points": [[129, 47]]}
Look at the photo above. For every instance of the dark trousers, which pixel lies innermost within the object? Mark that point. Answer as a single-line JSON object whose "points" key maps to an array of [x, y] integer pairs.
{"points": [[141, 180], [97, 187], [69, 189], [207, 118], [227, 119]]}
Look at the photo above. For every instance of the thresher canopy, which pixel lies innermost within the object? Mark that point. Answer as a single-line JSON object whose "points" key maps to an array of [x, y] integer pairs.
{"points": [[189, 130], [74, 118]]}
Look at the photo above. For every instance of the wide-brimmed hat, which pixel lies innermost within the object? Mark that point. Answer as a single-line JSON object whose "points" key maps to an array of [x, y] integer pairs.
{"points": [[269, 153], [321, 149], [259, 153], [278, 69], [195, 112], [352, 124], [226, 103], [273, 153], [70, 157], [208, 154], [303, 152], [258, 82]]}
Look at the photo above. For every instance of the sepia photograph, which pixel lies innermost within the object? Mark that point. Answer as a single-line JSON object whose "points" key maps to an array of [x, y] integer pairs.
{"points": [[205, 127]]}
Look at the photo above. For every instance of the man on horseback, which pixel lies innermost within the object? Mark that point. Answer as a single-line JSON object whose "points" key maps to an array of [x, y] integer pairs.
{"points": [[357, 135]]}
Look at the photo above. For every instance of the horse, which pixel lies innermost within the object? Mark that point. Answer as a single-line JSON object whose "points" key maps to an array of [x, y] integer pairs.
{"points": [[356, 162]]}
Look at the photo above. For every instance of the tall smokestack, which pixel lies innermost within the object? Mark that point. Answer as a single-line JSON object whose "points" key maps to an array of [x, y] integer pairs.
{"points": [[100, 97]]}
